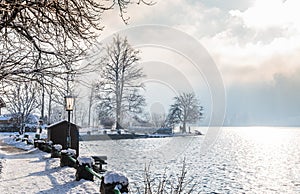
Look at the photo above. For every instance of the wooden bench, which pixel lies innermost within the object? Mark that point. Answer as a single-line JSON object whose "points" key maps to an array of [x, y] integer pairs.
{"points": [[99, 161]]}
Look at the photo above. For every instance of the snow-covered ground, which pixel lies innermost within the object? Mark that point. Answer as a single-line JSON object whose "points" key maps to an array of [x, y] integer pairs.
{"points": [[29, 170]]}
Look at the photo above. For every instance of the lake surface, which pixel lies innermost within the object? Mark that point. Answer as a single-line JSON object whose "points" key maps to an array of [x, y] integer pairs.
{"points": [[232, 160]]}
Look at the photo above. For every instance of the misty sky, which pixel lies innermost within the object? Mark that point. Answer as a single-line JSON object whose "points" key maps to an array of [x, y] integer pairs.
{"points": [[255, 45]]}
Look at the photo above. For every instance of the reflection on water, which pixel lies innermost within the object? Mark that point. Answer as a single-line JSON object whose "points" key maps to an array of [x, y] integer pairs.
{"points": [[242, 160]]}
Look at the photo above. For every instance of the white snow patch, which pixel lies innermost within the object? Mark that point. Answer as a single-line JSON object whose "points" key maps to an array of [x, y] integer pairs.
{"points": [[22, 145], [69, 151], [57, 147], [86, 160], [115, 177], [30, 141], [37, 172]]}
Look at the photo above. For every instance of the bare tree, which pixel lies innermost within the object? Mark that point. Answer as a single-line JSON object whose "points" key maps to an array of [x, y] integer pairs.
{"points": [[42, 39], [57, 113], [22, 101], [91, 99], [118, 90], [158, 119], [186, 109]]}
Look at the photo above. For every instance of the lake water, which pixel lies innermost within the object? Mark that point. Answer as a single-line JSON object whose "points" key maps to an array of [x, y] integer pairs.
{"points": [[233, 160]]}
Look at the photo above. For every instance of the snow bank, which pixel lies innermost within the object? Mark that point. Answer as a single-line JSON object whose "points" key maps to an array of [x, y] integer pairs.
{"points": [[36, 172], [19, 144]]}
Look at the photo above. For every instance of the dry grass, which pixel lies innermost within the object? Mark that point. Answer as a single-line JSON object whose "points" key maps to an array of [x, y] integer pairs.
{"points": [[166, 184]]}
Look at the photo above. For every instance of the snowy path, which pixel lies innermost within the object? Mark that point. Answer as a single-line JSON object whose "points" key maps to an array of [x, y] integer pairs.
{"points": [[35, 172]]}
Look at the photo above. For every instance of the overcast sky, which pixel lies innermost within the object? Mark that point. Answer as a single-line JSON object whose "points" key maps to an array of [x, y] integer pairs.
{"points": [[255, 45]]}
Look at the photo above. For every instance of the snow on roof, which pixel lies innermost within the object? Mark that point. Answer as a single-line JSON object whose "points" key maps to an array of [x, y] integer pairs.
{"points": [[59, 122], [56, 123], [115, 177]]}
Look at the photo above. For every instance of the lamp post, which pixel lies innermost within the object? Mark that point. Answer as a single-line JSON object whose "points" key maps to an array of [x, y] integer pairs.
{"points": [[69, 103]]}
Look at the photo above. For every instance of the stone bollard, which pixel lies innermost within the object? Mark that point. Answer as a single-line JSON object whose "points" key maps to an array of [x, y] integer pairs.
{"points": [[17, 138], [30, 142], [37, 136], [113, 182], [68, 158], [25, 140], [47, 147], [82, 172], [55, 151]]}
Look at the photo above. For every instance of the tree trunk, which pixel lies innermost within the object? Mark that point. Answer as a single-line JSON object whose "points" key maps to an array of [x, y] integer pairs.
{"points": [[50, 105], [118, 117], [90, 105], [43, 101], [184, 127]]}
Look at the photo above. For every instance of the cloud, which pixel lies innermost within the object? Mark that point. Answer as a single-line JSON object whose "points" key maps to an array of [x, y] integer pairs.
{"points": [[228, 4], [271, 13], [255, 45]]}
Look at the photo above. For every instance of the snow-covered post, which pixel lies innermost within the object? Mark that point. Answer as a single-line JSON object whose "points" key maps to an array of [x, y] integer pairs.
{"points": [[55, 151], [68, 158], [37, 136], [40, 144], [83, 164], [18, 138], [30, 142], [48, 147], [25, 138], [114, 182]]}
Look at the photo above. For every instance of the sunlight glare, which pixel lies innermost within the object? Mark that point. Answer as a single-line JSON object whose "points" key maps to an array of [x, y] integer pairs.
{"points": [[265, 135]]}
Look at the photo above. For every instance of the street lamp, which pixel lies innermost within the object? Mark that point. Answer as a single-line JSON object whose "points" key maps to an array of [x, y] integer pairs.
{"points": [[69, 105]]}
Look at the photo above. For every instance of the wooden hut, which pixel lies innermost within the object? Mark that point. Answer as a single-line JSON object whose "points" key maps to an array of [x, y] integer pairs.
{"points": [[57, 133]]}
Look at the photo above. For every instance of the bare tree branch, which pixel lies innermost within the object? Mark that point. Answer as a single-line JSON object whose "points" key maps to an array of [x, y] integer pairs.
{"points": [[61, 30]]}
